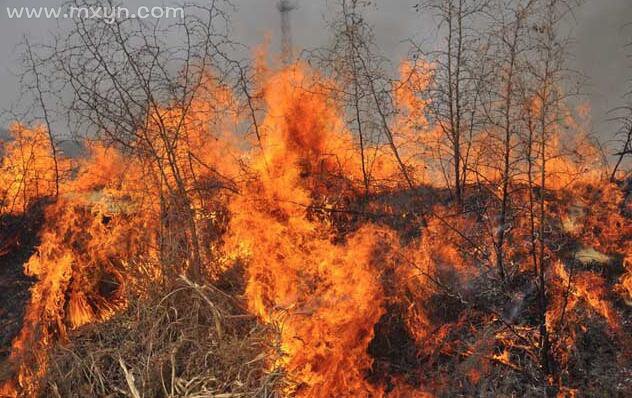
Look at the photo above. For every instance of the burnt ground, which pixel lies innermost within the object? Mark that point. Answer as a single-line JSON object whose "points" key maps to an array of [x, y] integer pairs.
{"points": [[19, 236], [393, 348]]}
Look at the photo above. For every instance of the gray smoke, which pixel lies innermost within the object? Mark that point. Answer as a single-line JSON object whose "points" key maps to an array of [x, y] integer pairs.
{"points": [[599, 53]]}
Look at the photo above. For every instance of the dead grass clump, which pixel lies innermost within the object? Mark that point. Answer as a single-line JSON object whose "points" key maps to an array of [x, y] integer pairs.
{"points": [[195, 341]]}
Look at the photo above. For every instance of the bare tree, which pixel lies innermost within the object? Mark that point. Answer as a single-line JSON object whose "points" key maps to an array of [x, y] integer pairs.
{"points": [[365, 89], [33, 65], [128, 85], [548, 74], [457, 80], [503, 106], [623, 115], [626, 144]]}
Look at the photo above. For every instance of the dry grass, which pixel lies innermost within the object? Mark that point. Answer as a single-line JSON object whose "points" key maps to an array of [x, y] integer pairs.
{"points": [[194, 341]]}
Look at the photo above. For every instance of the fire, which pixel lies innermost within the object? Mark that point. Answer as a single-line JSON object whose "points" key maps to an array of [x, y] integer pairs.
{"points": [[27, 169], [325, 296], [340, 270], [78, 266], [590, 288]]}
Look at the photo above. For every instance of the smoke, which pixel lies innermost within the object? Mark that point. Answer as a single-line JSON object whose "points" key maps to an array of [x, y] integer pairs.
{"points": [[601, 55], [600, 32]]}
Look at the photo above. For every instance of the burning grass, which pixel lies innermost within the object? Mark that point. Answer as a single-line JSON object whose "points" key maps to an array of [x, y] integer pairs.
{"points": [[304, 283]]}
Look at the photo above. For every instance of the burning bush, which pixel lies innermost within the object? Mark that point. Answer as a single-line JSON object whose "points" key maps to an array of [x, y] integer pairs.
{"points": [[362, 239]]}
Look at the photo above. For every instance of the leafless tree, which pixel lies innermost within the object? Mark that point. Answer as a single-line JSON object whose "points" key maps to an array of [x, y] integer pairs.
{"points": [[623, 116], [626, 146], [40, 95], [363, 84], [503, 107], [123, 76], [548, 73], [456, 92]]}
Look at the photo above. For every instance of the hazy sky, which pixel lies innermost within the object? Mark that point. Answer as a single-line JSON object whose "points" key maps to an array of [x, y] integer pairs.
{"points": [[599, 29]]}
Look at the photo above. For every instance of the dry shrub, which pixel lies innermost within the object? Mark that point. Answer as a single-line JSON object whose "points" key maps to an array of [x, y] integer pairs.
{"points": [[195, 341]]}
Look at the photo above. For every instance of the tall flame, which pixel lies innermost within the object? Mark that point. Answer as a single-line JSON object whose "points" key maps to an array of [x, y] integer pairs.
{"points": [[336, 267]]}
